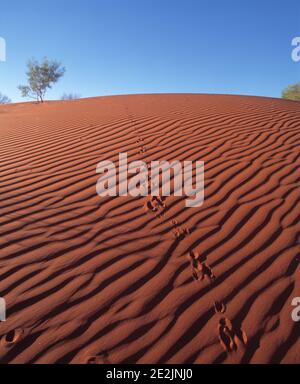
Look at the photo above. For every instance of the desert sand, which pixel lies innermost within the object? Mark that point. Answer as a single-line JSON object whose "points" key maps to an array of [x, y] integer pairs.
{"points": [[107, 280]]}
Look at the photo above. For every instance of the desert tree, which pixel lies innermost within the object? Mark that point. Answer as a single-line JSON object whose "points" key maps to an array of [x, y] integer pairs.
{"points": [[292, 92], [70, 96], [41, 76], [4, 99]]}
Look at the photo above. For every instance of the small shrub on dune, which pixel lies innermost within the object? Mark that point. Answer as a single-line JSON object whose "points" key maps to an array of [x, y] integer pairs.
{"points": [[4, 99], [70, 96], [292, 92]]}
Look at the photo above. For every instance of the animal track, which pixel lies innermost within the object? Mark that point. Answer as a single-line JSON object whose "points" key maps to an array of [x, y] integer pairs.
{"points": [[230, 337], [12, 337], [220, 307], [155, 204], [100, 359], [142, 150], [200, 270], [179, 231], [160, 201], [139, 139]]}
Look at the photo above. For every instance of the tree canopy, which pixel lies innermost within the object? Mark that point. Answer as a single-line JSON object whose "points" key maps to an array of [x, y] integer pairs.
{"points": [[41, 76], [292, 92]]}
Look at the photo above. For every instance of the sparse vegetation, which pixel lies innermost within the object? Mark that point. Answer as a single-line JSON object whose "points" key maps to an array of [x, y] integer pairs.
{"points": [[70, 96], [41, 76], [292, 92], [4, 99]]}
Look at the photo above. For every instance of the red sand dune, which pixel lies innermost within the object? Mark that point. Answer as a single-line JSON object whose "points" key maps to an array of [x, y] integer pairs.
{"points": [[104, 280]]}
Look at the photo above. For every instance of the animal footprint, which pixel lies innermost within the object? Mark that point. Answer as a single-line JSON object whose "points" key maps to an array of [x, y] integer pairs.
{"points": [[194, 258], [178, 231], [206, 271], [150, 207], [200, 270], [230, 336], [155, 204], [178, 234], [159, 201], [220, 307], [143, 150], [240, 336], [226, 335], [187, 231], [194, 255], [96, 360], [12, 337]]}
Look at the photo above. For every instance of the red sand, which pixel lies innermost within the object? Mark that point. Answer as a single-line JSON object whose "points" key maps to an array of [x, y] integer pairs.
{"points": [[89, 279]]}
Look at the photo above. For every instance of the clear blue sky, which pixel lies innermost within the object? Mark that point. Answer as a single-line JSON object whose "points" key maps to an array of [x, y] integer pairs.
{"points": [[153, 46]]}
